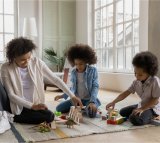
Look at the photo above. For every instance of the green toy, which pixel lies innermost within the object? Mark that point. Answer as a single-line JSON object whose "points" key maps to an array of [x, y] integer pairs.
{"points": [[57, 113]]}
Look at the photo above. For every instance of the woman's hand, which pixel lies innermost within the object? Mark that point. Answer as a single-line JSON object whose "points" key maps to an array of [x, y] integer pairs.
{"points": [[39, 107], [92, 107], [110, 105], [76, 101]]}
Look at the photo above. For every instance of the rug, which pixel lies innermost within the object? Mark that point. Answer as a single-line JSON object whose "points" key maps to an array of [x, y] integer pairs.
{"points": [[8, 137], [88, 127]]}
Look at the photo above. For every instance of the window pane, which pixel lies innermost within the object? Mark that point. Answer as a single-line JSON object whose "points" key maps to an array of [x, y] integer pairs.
{"points": [[136, 50], [119, 7], [1, 23], [9, 24], [136, 32], [120, 58], [135, 8], [8, 37], [104, 2], [128, 9], [104, 38], [120, 35], [1, 56], [109, 1], [98, 19], [129, 58], [110, 36], [99, 56], [97, 3], [110, 15], [110, 59], [98, 39], [104, 16], [105, 59], [1, 6], [1, 42], [8, 6], [128, 33]]}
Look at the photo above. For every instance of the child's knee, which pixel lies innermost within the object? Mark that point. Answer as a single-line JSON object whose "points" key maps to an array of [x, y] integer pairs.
{"points": [[136, 120], [122, 112], [58, 108]]}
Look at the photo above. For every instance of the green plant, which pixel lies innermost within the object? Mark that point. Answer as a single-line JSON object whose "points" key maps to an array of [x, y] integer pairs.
{"points": [[52, 56]]}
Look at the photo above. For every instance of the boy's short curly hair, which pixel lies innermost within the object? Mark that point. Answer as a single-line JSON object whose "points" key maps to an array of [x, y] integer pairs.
{"points": [[18, 47], [82, 52], [147, 61]]}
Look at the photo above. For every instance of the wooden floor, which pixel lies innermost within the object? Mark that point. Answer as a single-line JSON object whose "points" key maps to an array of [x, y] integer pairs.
{"points": [[146, 135]]}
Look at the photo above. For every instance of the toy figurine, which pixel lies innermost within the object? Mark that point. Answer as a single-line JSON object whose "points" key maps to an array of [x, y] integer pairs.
{"points": [[70, 123]]}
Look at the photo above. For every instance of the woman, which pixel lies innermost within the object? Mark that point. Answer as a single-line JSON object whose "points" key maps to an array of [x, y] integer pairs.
{"points": [[23, 77]]}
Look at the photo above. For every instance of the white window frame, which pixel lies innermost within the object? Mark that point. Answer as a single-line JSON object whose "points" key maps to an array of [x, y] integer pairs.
{"points": [[15, 33], [115, 69]]}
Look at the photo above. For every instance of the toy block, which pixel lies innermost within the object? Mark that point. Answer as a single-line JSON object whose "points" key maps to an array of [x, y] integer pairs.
{"points": [[53, 125], [111, 122], [120, 120]]}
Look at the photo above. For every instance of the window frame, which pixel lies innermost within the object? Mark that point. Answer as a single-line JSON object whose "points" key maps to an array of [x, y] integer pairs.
{"points": [[114, 49], [15, 33]]}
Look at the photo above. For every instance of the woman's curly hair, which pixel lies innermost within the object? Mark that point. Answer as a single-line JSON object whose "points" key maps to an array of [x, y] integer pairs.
{"points": [[147, 61], [18, 47], [82, 52]]}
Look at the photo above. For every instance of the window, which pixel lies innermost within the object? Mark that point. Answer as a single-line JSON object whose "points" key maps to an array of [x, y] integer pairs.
{"points": [[7, 24], [116, 34]]}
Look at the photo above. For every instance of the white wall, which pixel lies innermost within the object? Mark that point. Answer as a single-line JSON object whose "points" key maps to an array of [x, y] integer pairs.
{"points": [[115, 81], [29, 8], [154, 29], [81, 22]]}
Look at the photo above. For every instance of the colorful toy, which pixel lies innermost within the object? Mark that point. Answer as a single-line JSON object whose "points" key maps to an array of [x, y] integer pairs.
{"points": [[63, 117], [75, 114], [74, 117], [113, 117], [43, 127], [56, 113]]}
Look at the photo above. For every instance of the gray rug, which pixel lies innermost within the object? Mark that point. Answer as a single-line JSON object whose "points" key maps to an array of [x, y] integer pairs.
{"points": [[88, 127]]}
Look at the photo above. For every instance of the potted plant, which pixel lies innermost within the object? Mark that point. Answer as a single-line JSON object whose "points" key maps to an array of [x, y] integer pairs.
{"points": [[53, 58]]}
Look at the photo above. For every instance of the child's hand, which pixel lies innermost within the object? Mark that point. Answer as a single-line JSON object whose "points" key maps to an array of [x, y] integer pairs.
{"points": [[138, 111], [58, 97], [76, 101], [110, 105], [92, 107]]}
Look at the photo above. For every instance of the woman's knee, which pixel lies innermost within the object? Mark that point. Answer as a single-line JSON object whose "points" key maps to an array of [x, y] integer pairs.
{"points": [[49, 116], [58, 108]]}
